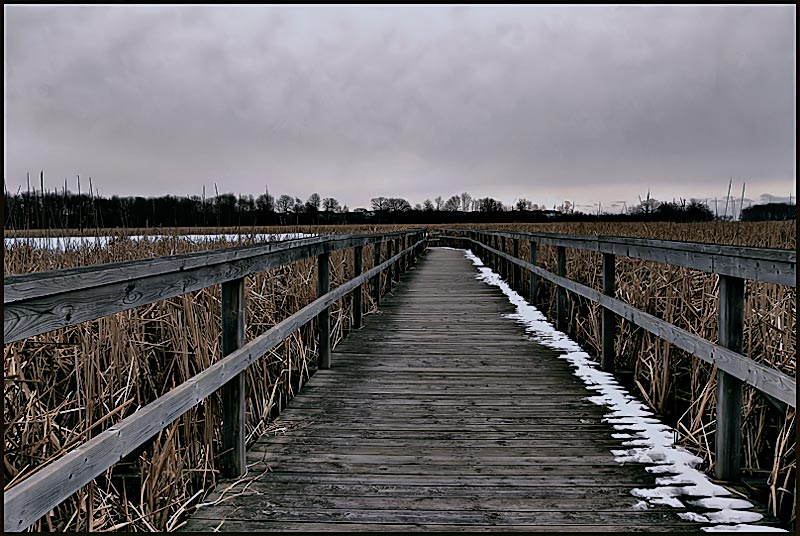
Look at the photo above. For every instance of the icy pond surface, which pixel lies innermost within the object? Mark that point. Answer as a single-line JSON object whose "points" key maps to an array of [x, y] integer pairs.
{"points": [[649, 440], [73, 242]]}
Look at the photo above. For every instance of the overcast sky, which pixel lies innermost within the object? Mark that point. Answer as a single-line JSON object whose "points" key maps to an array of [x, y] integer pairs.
{"points": [[591, 104]]}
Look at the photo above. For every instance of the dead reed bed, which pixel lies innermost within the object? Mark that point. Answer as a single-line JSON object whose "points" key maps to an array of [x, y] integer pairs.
{"points": [[64, 387], [680, 388]]}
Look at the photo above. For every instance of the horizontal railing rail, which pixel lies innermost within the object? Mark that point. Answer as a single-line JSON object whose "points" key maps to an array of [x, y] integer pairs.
{"points": [[37, 303], [759, 264], [732, 264], [36, 495]]}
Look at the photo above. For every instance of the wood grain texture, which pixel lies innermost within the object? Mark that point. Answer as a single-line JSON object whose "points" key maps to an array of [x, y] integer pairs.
{"points": [[761, 264], [766, 379], [41, 492], [233, 392], [417, 428], [727, 442], [45, 301], [358, 298], [609, 320]]}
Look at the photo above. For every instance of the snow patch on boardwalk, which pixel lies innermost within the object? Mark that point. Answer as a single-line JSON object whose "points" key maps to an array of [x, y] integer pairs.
{"points": [[650, 441]]}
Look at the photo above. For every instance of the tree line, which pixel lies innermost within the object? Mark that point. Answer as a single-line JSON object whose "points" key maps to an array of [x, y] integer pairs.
{"points": [[61, 208]]}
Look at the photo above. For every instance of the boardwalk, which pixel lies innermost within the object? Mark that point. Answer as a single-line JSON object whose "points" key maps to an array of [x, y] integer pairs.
{"points": [[439, 415]]}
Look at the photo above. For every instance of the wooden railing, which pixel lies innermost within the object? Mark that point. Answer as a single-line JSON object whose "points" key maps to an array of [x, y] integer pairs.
{"points": [[41, 302], [733, 265]]}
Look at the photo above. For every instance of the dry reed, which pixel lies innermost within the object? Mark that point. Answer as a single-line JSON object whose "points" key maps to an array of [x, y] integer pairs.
{"points": [[678, 387], [63, 387]]}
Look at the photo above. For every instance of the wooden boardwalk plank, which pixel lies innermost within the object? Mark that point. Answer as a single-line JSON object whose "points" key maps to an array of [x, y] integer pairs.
{"points": [[439, 414]]}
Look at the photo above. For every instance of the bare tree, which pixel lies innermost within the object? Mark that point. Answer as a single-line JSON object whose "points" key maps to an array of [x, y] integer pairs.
{"points": [[523, 204], [438, 202], [379, 203], [488, 204], [330, 204], [466, 202], [284, 203], [427, 205], [398, 204], [452, 204], [313, 203], [264, 202]]}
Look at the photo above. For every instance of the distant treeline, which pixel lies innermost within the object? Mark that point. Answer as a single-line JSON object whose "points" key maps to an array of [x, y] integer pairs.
{"points": [[67, 210], [770, 211]]}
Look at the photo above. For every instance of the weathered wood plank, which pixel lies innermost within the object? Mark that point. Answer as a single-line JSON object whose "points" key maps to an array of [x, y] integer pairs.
{"points": [[496, 517], [761, 264], [204, 525], [232, 463], [45, 301], [41, 492], [775, 383], [727, 442], [25, 286], [609, 320], [410, 431], [323, 319], [358, 299]]}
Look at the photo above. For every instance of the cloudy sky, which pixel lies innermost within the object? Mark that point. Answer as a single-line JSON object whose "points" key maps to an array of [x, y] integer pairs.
{"points": [[591, 104]]}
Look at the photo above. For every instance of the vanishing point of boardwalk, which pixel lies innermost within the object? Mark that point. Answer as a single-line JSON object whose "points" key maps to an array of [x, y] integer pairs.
{"points": [[440, 414]]}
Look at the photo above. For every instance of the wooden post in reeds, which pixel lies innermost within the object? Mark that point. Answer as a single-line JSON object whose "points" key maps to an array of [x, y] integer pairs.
{"points": [[233, 393], [729, 388], [533, 281], [609, 321], [376, 281], [517, 283], [323, 319], [561, 292], [358, 300]]}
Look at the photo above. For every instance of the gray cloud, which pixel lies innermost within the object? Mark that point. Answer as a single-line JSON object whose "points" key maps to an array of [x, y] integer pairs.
{"points": [[590, 104]]}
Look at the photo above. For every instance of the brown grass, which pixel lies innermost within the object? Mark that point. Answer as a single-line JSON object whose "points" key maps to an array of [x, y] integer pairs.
{"points": [[63, 387], [680, 388]]}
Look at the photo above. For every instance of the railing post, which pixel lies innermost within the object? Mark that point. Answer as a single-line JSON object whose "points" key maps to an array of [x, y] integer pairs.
{"points": [[233, 459], [398, 242], [404, 258], [358, 300], [609, 318], [533, 275], [561, 292], [390, 269], [503, 262], [495, 258], [376, 281], [517, 283], [729, 389], [400, 268], [323, 319]]}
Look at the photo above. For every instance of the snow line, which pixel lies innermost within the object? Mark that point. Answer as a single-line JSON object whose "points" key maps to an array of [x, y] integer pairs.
{"points": [[650, 441]]}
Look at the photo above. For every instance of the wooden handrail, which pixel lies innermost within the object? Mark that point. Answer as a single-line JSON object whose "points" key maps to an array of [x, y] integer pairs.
{"points": [[759, 264], [45, 301], [33, 497], [733, 264]]}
